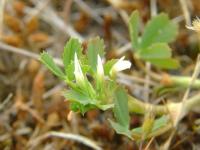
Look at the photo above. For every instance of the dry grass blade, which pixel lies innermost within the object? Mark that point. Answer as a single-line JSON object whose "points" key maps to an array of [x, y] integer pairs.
{"points": [[37, 10], [2, 4], [50, 16], [153, 4], [186, 11], [67, 136], [8, 98], [52, 91], [89, 11], [27, 53]]}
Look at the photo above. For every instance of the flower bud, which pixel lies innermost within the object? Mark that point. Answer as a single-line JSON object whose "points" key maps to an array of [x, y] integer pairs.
{"points": [[100, 70], [78, 71]]}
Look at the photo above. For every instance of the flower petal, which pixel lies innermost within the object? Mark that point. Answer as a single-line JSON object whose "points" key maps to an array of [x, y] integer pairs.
{"points": [[120, 65], [100, 70], [77, 71]]}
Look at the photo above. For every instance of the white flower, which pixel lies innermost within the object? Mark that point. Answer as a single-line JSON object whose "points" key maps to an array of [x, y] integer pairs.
{"points": [[77, 71], [120, 65], [100, 71]]}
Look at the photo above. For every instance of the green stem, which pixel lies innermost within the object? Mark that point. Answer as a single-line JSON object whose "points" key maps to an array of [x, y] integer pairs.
{"points": [[139, 107], [184, 81]]}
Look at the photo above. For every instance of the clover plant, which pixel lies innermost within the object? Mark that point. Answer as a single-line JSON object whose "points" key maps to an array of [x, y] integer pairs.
{"points": [[153, 46], [92, 81]]}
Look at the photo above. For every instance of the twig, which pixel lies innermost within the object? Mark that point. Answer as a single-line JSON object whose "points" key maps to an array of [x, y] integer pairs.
{"points": [[124, 16], [52, 18], [66, 10], [2, 5], [185, 12], [67, 136], [89, 11], [8, 98], [178, 19], [55, 89], [27, 53], [124, 48], [134, 79], [40, 6], [153, 6], [147, 147]]}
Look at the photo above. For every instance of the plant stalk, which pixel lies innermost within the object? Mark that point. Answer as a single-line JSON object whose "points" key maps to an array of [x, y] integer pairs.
{"points": [[140, 107], [184, 81]]}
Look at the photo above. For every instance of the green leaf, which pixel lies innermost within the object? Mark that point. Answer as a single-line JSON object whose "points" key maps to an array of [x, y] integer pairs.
{"points": [[121, 113], [165, 63], [158, 29], [95, 47], [75, 106], [158, 124], [134, 28], [70, 71], [155, 51], [76, 96], [46, 59], [70, 48], [158, 54], [121, 107], [121, 129]]}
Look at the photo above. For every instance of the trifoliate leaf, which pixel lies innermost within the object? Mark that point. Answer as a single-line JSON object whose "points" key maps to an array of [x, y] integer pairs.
{"points": [[158, 29]]}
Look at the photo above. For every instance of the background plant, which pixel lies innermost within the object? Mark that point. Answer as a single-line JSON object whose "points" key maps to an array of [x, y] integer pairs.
{"points": [[153, 45]]}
